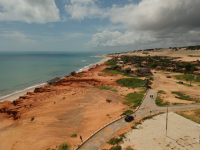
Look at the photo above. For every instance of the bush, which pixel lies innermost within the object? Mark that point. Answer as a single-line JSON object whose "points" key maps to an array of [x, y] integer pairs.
{"points": [[74, 135], [108, 100], [32, 118], [63, 146]]}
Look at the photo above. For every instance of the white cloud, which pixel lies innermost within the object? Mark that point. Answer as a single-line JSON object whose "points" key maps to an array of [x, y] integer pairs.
{"points": [[143, 40], [107, 38], [38, 11], [17, 36], [80, 9]]}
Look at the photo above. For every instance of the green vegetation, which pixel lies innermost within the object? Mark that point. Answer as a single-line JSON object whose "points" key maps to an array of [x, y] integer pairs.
{"points": [[32, 118], [117, 72], [116, 148], [145, 53], [193, 115], [63, 97], [134, 98], [64, 146], [74, 135], [177, 103], [129, 148], [145, 118], [161, 92], [193, 48], [131, 82], [106, 88], [111, 63], [108, 100], [183, 96], [127, 112], [116, 141], [184, 84], [193, 55], [135, 126], [159, 102], [186, 78]]}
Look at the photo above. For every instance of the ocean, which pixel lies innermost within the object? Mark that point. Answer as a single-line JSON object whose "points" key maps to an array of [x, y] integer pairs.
{"points": [[20, 71]]}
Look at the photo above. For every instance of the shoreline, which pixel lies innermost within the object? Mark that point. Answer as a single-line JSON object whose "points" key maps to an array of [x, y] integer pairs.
{"points": [[15, 95]]}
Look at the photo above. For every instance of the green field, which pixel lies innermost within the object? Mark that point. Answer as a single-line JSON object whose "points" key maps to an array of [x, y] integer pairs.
{"points": [[131, 82], [186, 78], [183, 96], [134, 98], [106, 88]]}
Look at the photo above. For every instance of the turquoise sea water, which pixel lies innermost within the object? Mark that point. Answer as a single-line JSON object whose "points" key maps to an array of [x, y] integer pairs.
{"points": [[23, 70]]}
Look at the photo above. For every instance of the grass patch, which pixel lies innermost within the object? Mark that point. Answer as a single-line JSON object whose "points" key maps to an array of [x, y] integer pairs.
{"points": [[127, 112], [184, 84], [159, 102], [106, 88], [195, 116], [117, 72], [108, 101], [134, 98], [186, 78], [161, 92], [116, 148], [74, 135], [131, 82], [183, 96]]}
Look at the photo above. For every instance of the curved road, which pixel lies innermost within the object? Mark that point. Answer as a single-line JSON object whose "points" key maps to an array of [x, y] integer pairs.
{"points": [[97, 141]]}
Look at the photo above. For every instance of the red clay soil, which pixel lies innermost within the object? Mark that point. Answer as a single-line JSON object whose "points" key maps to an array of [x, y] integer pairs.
{"points": [[71, 106]]}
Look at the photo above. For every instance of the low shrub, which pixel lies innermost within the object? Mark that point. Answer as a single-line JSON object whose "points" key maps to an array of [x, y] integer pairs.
{"points": [[74, 135], [32, 118], [108, 100]]}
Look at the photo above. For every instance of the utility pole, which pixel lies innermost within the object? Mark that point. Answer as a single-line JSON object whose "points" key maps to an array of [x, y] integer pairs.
{"points": [[166, 121]]}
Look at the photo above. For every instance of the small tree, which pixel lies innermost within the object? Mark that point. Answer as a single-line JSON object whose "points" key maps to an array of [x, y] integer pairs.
{"points": [[146, 82], [189, 68]]}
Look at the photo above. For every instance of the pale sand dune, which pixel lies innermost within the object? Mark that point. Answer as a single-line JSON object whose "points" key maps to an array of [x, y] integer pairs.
{"points": [[151, 135]]}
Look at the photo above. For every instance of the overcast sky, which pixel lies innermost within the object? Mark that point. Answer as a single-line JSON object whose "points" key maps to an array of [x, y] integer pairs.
{"points": [[98, 25]]}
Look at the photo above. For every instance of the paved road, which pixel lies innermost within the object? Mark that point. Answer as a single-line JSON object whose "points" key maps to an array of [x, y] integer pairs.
{"points": [[97, 141]]}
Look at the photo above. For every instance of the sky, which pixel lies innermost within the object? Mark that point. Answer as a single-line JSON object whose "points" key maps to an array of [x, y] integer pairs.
{"points": [[98, 25]]}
